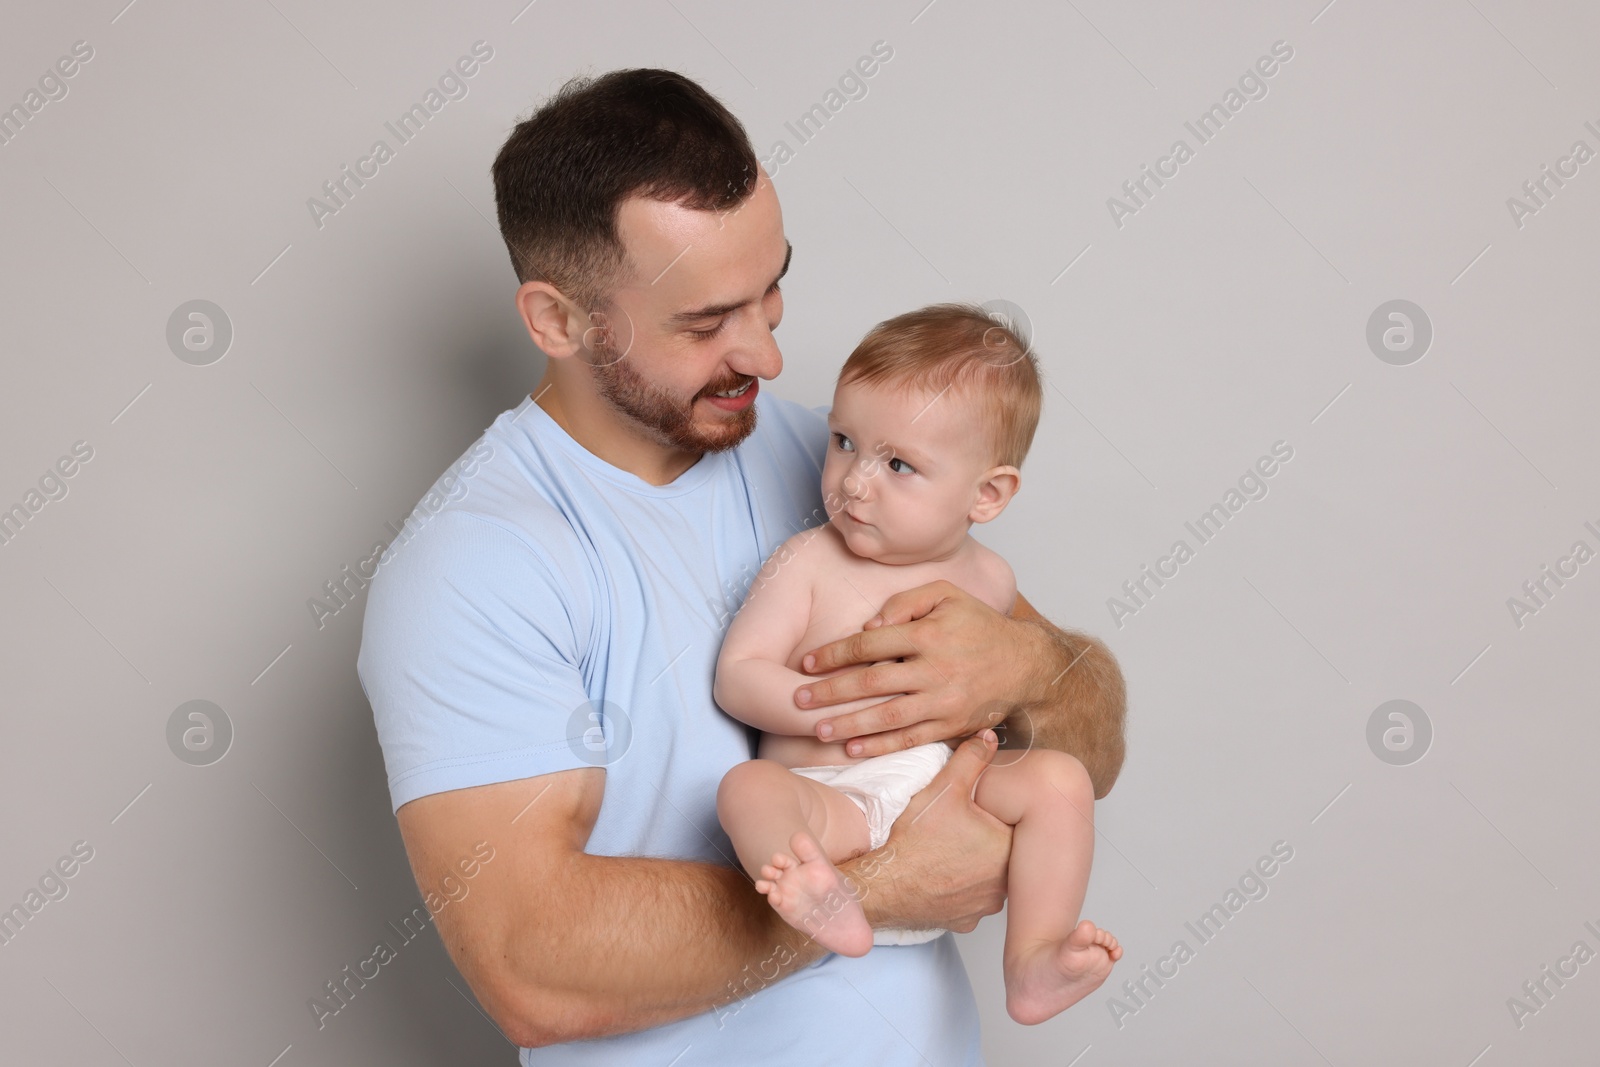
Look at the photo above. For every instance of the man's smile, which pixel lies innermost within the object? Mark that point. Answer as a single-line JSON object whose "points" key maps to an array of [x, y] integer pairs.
{"points": [[736, 399]]}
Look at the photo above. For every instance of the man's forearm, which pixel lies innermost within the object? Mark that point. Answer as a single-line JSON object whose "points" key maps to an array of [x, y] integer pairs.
{"points": [[637, 942], [665, 939], [1078, 705]]}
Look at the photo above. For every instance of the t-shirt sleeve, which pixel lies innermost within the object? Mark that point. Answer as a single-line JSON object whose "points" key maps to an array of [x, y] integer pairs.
{"points": [[471, 657]]}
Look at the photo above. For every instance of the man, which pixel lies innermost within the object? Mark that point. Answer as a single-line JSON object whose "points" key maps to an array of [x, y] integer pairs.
{"points": [[539, 655]]}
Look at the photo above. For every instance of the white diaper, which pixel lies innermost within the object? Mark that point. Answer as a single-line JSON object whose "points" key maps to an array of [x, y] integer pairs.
{"points": [[881, 787]]}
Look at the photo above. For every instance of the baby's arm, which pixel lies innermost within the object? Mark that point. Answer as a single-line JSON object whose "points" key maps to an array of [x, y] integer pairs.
{"points": [[753, 682]]}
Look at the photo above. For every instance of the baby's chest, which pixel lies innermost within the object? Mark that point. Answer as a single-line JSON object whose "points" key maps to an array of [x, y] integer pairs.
{"points": [[840, 605], [843, 598]]}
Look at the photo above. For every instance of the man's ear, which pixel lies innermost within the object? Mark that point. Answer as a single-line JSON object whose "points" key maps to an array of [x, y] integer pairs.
{"points": [[554, 322], [995, 490]]}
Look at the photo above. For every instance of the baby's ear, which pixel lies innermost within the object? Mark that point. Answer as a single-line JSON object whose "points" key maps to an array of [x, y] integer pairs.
{"points": [[995, 490]]}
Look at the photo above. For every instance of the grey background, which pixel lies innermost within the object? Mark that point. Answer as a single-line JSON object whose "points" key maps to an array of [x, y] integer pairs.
{"points": [[1228, 314]]}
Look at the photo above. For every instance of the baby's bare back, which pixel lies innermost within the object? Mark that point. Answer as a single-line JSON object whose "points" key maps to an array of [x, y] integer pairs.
{"points": [[847, 590]]}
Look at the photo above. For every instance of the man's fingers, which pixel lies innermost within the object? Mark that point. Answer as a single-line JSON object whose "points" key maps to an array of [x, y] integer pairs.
{"points": [[910, 604], [867, 646], [970, 760], [893, 714], [877, 680], [883, 744], [959, 776], [865, 738]]}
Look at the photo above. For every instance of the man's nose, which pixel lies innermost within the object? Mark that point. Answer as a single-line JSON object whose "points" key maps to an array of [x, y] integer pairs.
{"points": [[758, 354]]}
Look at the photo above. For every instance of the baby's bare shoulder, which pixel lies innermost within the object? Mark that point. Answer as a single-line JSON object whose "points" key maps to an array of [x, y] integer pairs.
{"points": [[814, 545], [996, 580], [798, 561]]}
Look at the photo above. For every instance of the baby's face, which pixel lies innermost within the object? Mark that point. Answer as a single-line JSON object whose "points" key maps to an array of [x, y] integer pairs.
{"points": [[904, 471]]}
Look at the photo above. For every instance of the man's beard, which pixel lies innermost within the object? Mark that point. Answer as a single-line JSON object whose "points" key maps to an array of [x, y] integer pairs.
{"points": [[665, 417]]}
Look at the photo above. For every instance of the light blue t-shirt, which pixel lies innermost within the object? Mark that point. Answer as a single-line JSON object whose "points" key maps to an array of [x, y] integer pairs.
{"points": [[549, 611]]}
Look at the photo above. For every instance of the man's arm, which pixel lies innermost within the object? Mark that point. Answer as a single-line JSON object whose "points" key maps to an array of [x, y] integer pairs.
{"points": [[564, 946], [1079, 702], [560, 945], [966, 666]]}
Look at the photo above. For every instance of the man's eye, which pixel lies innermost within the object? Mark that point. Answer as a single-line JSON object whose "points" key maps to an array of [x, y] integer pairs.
{"points": [[844, 443], [909, 469], [706, 335]]}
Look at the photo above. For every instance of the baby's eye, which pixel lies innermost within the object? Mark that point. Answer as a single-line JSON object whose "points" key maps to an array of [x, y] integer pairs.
{"points": [[909, 469], [844, 443]]}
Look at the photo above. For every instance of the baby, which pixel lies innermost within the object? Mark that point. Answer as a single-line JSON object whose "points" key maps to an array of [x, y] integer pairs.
{"points": [[932, 416]]}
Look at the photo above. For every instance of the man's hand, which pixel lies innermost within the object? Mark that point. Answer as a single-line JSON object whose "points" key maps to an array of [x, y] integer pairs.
{"points": [[958, 656], [944, 865]]}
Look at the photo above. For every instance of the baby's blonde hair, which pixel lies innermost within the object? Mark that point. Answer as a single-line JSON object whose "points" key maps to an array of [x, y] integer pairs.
{"points": [[966, 350]]}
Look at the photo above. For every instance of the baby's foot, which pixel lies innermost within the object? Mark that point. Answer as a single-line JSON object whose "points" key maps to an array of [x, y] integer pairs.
{"points": [[1048, 979], [810, 894]]}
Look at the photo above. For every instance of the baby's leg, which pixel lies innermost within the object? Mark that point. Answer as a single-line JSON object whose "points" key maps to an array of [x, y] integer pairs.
{"points": [[1052, 961], [788, 831]]}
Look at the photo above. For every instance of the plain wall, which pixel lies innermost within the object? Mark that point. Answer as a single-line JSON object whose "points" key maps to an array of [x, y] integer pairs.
{"points": [[1222, 313]]}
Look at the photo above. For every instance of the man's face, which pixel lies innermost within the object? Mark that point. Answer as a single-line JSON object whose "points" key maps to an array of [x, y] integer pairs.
{"points": [[903, 470], [695, 320]]}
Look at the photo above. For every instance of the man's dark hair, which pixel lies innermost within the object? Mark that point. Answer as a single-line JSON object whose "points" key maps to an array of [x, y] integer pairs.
{"points": [[563, 172]]}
